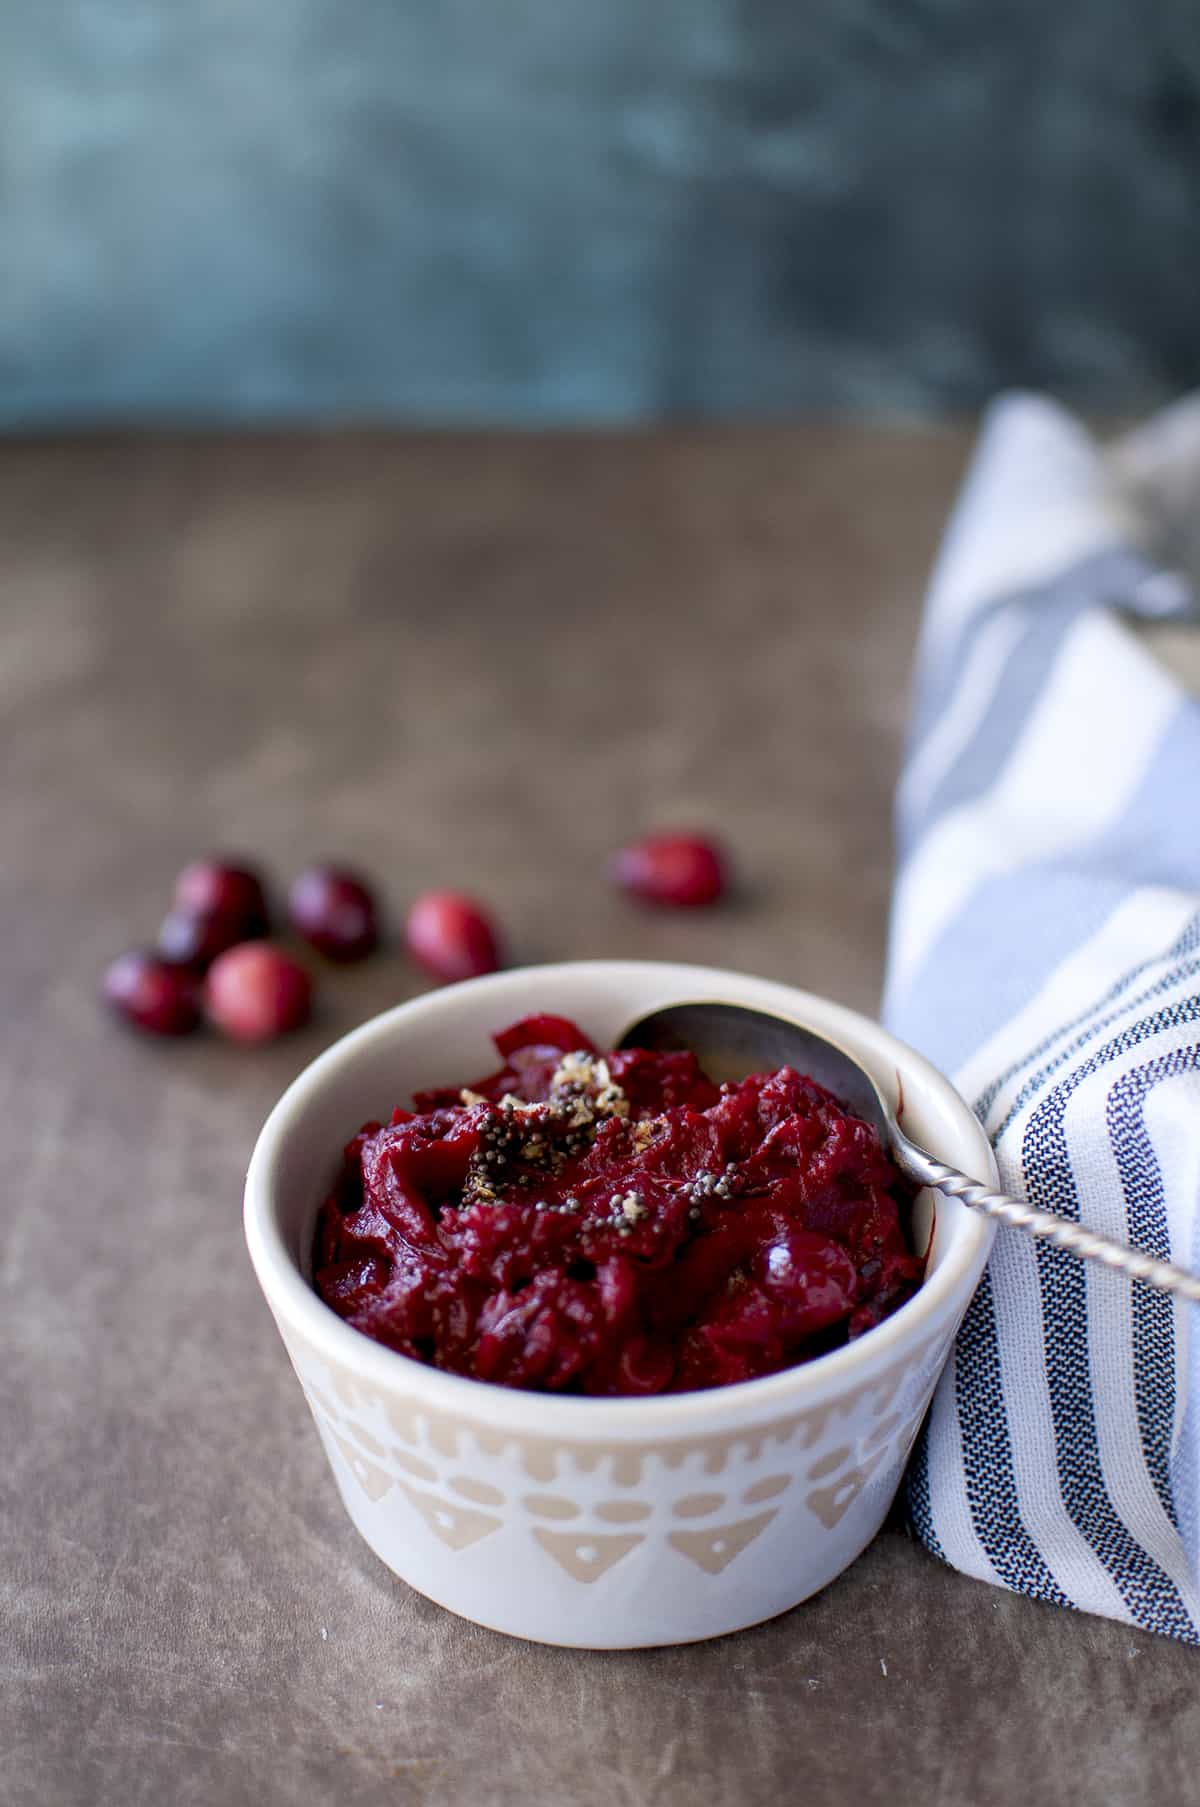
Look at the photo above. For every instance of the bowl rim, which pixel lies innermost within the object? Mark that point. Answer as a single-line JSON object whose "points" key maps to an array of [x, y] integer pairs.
{"points": [[296, 1305]]}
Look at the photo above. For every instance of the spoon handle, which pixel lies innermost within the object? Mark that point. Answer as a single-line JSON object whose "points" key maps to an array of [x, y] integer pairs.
{"points": [[1076, 1238]]}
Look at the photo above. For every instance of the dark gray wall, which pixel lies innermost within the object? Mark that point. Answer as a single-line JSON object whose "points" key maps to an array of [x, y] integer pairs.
{"points": [[607, 209]]}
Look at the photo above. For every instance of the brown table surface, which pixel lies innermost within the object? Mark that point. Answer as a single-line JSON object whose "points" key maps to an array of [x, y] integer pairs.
{"points": [[477, 662]]}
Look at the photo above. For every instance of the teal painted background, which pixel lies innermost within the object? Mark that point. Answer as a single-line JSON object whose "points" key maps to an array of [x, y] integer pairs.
{"points": [[611, 210]]}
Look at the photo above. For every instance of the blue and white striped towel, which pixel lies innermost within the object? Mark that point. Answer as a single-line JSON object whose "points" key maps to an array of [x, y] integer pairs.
{"points": [[1045, 951]]}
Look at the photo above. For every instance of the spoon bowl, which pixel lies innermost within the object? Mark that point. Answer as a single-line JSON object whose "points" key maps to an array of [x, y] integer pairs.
{"points": [[732, 1040]]}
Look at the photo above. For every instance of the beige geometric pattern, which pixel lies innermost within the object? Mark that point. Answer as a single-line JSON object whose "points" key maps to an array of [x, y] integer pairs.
{"points": [[887, 1427], [696, 1505], [371, 1444], [769, 1488], [478, 1491], [373, 1480], [550, 1505], [714, 1549], [544, 1459], [460, 1509], [413, 1465], [831, 1503], [585, 1558], [623, 1512], [458, 1527]]}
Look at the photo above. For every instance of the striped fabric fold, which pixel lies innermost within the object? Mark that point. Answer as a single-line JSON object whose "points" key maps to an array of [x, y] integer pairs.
{"points": [[1045, 951]]}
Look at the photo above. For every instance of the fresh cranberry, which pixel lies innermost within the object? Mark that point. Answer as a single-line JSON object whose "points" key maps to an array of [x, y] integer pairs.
{"points": [[678, 869], [254, 992], [334, 912], [195, 937], [235, 890], [153, 994], [451, 937]]}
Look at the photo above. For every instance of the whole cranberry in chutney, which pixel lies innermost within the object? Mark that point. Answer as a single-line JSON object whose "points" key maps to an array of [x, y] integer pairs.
{"points": [[681, 870], [449, 935], [224, 885], [153, 994], [254, 993], [332, 909]]}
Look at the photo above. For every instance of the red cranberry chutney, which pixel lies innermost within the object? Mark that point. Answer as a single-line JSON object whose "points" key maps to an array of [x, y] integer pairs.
{"points": [[615, 1224]]}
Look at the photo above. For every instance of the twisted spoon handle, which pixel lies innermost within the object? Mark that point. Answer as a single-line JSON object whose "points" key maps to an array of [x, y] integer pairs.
{"points": [[1087, 1244]]}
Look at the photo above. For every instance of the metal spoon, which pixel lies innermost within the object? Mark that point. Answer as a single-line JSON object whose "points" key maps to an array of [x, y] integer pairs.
{"points": [[732, 1040]]}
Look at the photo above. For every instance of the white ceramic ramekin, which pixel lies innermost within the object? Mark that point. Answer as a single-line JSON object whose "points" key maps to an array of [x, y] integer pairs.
{"points": [[602, 1523]]}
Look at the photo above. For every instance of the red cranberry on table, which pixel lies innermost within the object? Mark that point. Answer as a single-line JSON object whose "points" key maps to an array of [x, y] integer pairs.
{"points": [[234, 890], [195, 937], [254, 992], [451, 937], [153, 994], [678, 869], [332, 909]]}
